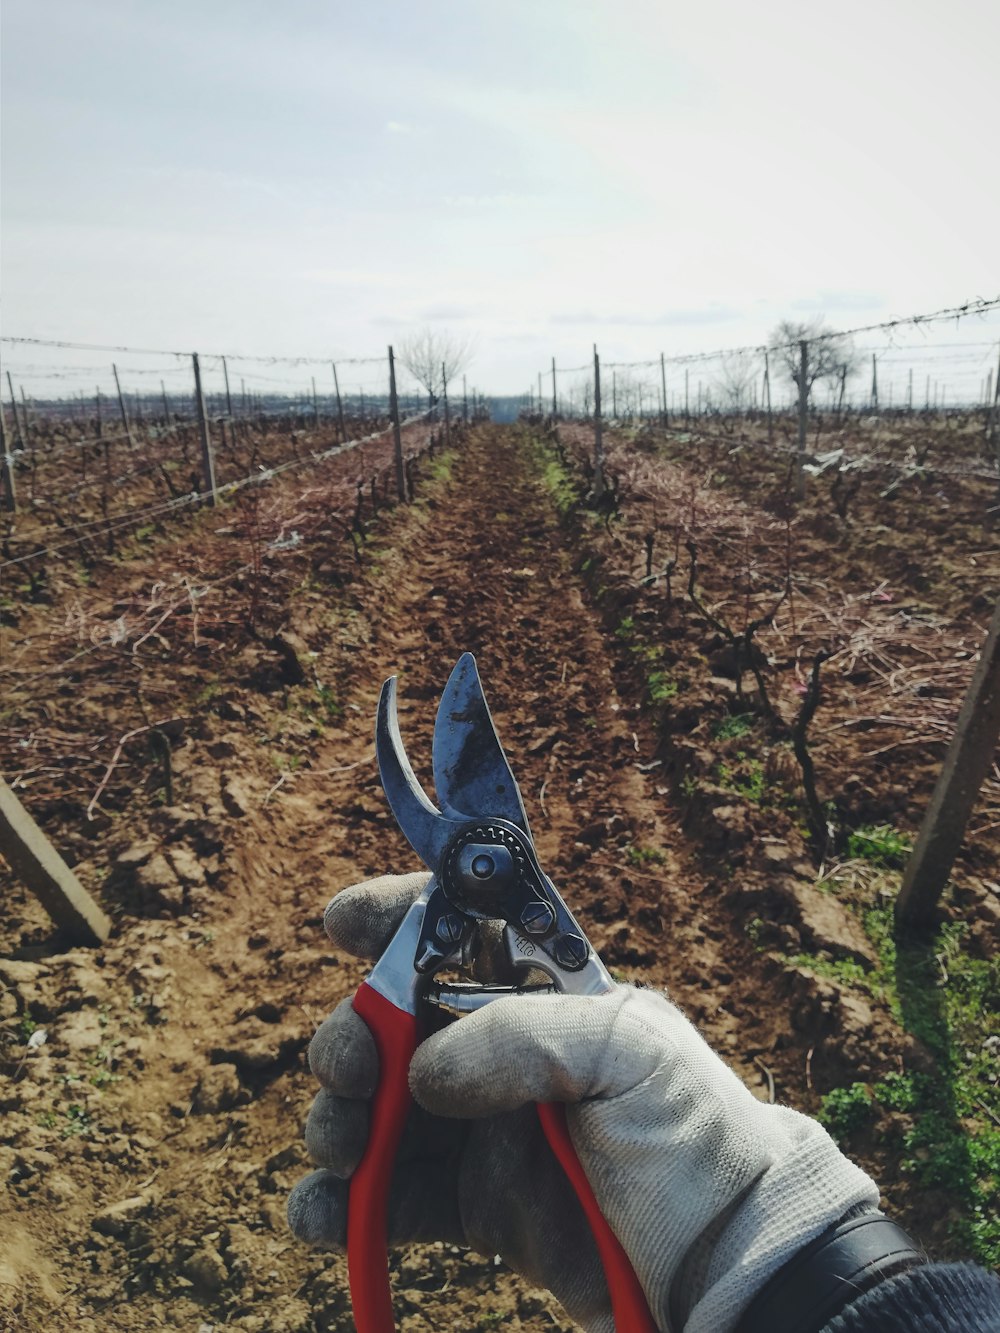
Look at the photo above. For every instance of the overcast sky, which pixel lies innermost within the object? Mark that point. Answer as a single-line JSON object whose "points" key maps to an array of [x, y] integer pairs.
{"points": [[318, 178]]}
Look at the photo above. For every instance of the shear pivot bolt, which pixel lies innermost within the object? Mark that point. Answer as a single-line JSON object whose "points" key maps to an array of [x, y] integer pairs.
{"points": [[449, 928], [483, 866], [571, 952], [537, 918]]}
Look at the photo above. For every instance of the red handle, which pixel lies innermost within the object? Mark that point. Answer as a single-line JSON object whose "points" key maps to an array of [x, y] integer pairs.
{"points": [[395, 1034], [628, 1302]]}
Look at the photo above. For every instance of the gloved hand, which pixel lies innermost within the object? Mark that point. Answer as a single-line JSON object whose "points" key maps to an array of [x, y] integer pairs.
{"points": [[709, 1190]]}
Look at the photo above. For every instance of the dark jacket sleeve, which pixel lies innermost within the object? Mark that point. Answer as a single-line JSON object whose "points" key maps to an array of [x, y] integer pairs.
{"points": [[937, 1298]]}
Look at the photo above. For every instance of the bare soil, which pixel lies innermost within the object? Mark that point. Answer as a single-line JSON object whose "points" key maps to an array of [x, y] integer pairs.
{"points": [[150, 1142]]}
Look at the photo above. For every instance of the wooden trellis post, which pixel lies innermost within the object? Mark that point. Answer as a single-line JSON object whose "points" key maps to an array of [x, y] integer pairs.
{"points": [[966, 764], [229, 398], [124, 410], [340, 405], [396, 436], [7, 472], [444, 396], [598, 430], [207, 456], [13, 407], [800, 456], [37, 864]]}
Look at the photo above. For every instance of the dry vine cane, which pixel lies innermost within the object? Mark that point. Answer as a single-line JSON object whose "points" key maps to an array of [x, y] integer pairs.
{"points": [[742, 643]]}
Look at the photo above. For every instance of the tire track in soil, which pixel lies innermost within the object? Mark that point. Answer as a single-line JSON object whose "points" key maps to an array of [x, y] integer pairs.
{"points": [[479, 562], [486, 567]]}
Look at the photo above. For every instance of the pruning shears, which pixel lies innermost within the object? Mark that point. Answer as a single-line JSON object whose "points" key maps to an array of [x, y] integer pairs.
{"points": [[479, 849]]}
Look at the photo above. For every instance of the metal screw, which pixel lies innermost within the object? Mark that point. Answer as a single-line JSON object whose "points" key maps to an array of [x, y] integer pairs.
{"points": [[483, 866], [537, 918], [571, 952], [449, 928]]}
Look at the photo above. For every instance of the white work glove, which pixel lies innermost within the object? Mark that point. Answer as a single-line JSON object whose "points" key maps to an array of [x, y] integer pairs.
{"points": [[709, 1190]]}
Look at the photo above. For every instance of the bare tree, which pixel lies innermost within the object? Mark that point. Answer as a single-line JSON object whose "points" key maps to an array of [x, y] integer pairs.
{"points": [[434, 358], [832, 356], [736, 380]]}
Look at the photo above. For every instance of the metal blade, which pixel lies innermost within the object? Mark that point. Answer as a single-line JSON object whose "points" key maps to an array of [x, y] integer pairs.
{"points": [[471, 773], [426, 829]]}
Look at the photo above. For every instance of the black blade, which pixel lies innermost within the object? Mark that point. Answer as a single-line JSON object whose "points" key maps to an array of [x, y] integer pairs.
{"points": [[426, 829], [471, 773]]}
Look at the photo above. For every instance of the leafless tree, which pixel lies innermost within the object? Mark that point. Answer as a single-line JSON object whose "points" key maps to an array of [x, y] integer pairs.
{"points": [[736, 379], [831, 357], [434, 357]]}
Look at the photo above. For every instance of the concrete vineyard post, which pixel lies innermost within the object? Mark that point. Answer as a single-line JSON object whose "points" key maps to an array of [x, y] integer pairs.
{"points": [[540, 408], [166, 405], [767, 391], [966, 764], [315, 402], [465, 401], [38, 865], [598, 429], [555, 408], [207, 456], [396, 436], [687, 413], [803, 378], [874, 398], [7, 471], [123, 408], [909, 392], [663, 382]]}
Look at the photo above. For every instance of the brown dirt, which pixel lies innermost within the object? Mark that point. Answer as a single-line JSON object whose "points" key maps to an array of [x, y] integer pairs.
{"points": [[151, 1141]]}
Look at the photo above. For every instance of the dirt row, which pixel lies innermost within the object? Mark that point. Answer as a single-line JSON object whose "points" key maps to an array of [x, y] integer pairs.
{"points": [[155, 1132]]}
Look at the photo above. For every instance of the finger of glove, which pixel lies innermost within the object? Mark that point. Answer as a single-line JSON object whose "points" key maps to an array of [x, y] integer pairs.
{"points": [[419, 1209], [551, 1048], [362, 919], [337, 1132], [342, 1054]]}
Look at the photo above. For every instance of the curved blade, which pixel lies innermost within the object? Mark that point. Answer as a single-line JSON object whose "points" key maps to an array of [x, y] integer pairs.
{"points": [[471, 773], [426, 829]]}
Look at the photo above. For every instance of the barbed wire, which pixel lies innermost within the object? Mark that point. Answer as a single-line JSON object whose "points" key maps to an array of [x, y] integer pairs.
{"points": [[167, 351], [979, 306]]}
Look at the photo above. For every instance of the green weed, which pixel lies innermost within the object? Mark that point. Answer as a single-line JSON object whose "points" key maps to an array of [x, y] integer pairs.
{"points": [[880, 844], [640, 856], [661, 687], [733, 726], [746, 777], [78, 1122], [844, 1110]]}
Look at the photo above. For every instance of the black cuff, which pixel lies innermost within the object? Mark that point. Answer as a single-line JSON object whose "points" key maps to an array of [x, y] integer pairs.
{"points": [[819, 1281]]}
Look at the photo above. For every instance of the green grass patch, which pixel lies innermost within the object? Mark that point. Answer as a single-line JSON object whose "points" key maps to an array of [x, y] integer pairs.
{"points": [[950, 1001]]}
